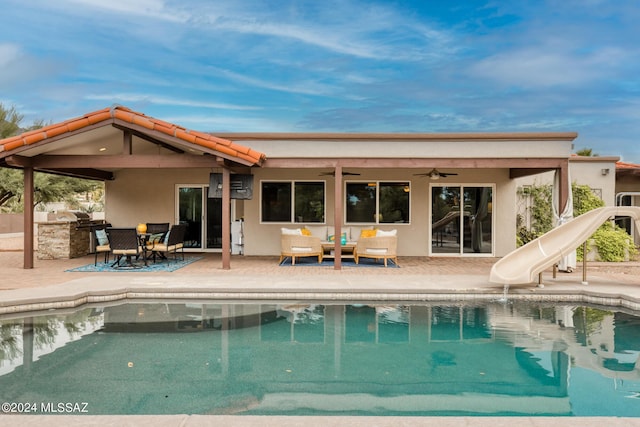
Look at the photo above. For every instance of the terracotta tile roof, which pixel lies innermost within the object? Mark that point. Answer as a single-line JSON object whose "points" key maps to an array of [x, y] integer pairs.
{"points": [[129, 116], [624, 165]]}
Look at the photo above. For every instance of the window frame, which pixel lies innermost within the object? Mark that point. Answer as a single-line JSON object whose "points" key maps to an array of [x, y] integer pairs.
{"points": [[377, 212], [292, 183]]}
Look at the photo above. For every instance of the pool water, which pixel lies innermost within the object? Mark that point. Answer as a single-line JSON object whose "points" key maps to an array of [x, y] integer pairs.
{"points": [[298, 358]]}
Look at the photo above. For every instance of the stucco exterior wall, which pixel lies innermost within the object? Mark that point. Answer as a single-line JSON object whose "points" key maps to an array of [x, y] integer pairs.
{"points": [[597, 173], [150, 196], [147, 195], [409, 149]]}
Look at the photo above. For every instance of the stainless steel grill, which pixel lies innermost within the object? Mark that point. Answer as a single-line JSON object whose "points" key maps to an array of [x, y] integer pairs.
{"points": [[83, 221]]}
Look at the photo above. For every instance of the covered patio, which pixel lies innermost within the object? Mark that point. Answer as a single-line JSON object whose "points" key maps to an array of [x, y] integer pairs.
{"points": [[156, 171], [99, 145]]}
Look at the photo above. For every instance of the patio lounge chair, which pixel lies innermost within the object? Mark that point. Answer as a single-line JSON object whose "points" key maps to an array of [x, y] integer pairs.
{"points": [[173, 241], [101, 242], [295, 245], [378, 247], [124, 242]]}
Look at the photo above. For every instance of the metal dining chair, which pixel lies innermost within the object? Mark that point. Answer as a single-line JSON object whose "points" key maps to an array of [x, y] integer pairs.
{"points": [[124, 243]]}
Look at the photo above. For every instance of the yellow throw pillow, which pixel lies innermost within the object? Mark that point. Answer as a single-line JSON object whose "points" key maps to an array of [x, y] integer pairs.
{"points": [[368, 233], [306, 232]]}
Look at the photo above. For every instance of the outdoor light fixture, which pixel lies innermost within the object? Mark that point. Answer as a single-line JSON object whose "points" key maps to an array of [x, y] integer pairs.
{"points": [[604, 171]]}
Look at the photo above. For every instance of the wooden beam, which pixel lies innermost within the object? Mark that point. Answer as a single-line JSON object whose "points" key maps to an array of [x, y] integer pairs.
{"points": [[94, 174], [519, 173], [148, 138], [416, 163], [337, 218], [564, 188], [127, 142], [226, 219], [19, 161], [120, 161], [28, 217]]}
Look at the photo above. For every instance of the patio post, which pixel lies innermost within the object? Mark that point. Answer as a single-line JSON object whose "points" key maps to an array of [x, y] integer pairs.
{"points": [[226, 219], [28, 217], [563, 188], [337, 219]]}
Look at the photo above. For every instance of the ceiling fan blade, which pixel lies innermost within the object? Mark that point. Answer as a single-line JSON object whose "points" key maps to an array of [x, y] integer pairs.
{"points": [[446, 174], [333, 173]]}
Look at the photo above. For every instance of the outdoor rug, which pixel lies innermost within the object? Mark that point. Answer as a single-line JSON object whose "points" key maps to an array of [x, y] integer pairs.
{"points": [[313, 262], [164, 266]]}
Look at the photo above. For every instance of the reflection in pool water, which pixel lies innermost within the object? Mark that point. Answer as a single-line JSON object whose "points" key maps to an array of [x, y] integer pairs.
{"points": [[329, 359]]}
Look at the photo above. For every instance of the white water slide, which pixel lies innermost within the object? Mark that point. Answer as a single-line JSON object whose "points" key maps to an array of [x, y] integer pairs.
{"points": [[523, 265]]}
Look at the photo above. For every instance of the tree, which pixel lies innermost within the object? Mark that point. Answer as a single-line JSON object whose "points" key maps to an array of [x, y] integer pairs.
{"points": [[47, 187], [586, 152], [9, 121]]}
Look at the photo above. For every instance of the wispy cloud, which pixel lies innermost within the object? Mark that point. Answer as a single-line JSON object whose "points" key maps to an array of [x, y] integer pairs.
{"points": [[536, 67], [339, 65], [146, 9], [160, 100]]}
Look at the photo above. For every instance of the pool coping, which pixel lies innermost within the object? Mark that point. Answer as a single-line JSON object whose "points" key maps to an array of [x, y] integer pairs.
{"points": [[74, 293]]}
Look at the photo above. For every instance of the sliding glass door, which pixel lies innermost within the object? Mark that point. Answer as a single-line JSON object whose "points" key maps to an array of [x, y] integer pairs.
{"points": [[461, 220], [202, 215]]}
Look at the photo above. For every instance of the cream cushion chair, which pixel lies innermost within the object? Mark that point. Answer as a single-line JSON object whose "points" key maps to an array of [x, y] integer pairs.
{"points": [[294, 244], [383, 246], [324, 232]]}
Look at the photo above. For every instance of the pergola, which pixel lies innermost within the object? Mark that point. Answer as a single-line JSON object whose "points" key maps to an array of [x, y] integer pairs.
{"points": [[98, 144]]}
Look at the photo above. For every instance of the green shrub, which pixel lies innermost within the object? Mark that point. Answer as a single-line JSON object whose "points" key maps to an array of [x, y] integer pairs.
{"points": [[613, 243], [541, 214]]}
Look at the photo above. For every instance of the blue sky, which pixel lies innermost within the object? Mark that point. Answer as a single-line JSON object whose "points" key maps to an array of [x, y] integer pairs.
{"points": [[334, 66]]}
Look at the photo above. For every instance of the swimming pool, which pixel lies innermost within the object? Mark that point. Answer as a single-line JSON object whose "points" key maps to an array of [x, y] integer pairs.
{"points": [[301, 358]]}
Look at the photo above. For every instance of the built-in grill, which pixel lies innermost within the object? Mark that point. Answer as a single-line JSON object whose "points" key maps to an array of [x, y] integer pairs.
{"points": [[66, 234], [82, 218]]}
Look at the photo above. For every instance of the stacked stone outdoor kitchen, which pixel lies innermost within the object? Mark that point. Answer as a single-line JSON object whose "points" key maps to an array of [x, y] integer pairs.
{"points": [[65, 235]]}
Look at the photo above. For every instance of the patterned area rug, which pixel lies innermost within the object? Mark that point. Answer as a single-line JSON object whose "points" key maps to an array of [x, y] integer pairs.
{"points": [[313, 262], [164, 266]]}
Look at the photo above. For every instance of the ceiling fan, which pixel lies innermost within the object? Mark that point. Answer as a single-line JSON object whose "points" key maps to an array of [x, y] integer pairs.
{"points": [[436, 174], [333, 173]]}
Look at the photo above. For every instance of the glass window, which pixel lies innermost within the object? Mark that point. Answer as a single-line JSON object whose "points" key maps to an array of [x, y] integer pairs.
{"points": [[276, 201], [309, 201], [394, 202], [377, 202], [361, 202], [292, 201]]}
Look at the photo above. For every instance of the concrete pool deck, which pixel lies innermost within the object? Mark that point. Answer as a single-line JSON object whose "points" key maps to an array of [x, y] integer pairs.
{"points": [[48, 285]]}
